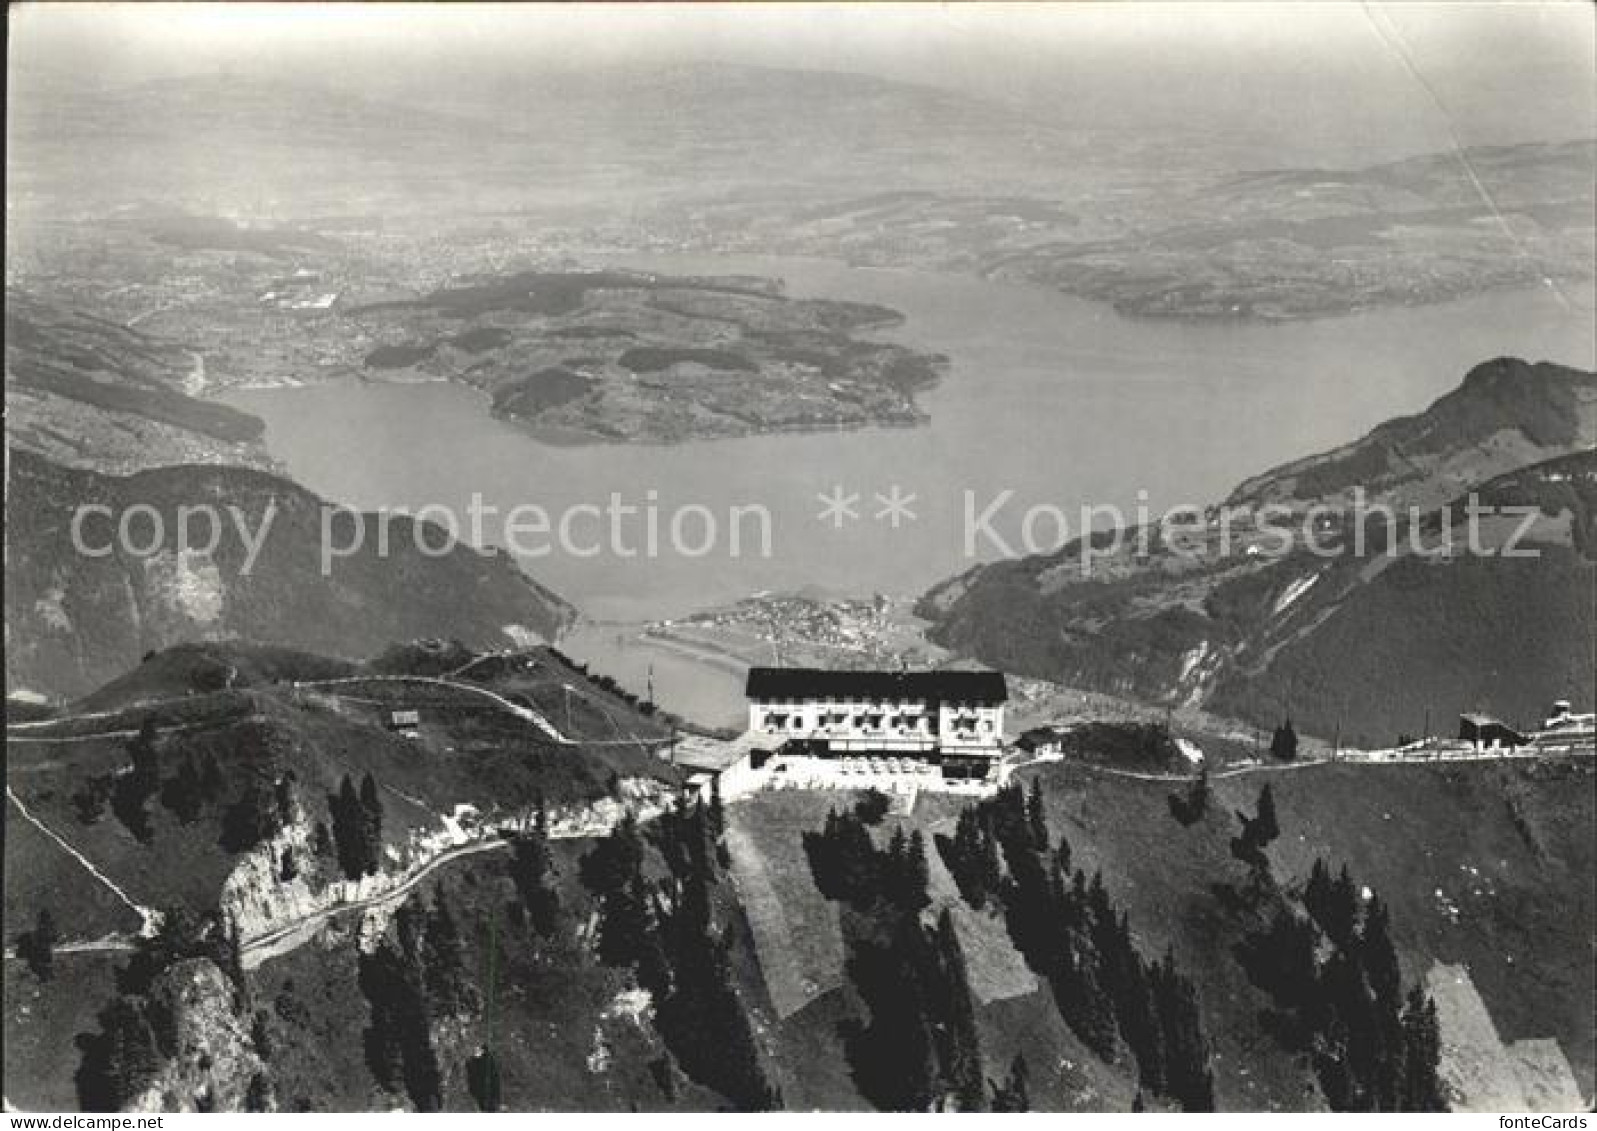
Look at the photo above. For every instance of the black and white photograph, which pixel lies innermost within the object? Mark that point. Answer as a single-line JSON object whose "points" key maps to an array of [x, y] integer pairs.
{"points": [[867, 557]]}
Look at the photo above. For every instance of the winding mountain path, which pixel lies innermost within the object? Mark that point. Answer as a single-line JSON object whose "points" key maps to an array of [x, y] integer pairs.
{"points": [[147, 916], [525, 713]]}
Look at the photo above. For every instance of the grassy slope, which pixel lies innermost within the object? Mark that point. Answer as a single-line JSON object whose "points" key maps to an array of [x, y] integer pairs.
{"points": [[470, 750], [1523, 927], [809, 1051], [1524, 923], [1506, 636], [42, 1021], [38, 871]]}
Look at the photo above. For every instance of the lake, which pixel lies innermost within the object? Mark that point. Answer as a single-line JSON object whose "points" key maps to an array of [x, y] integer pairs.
{"points": [[1059, 401]]}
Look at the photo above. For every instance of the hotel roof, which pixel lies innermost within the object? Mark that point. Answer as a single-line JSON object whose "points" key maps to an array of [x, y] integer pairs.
{"points": [[825, 683]]}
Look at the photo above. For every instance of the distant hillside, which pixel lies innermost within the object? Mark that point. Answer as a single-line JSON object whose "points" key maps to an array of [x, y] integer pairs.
{"points": [[87, 392], [506, 137], [1507, 414], [1166, 234], [1364, 645], [74, 621], [1304, 243]]}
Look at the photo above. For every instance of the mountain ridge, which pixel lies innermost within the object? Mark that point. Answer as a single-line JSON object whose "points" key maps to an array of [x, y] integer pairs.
{"points": [[73, 621], [1229, 618]]}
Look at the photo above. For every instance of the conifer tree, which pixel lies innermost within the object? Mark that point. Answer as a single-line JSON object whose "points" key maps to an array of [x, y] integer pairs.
{"points": [[482, 1080], [1036, 818], [449, 989], [1284, 743], [349, 829], [371, 818], [1189, 1079], [1422, 1054], [37, 947], [950, 1000], [532, 870], [625, 923], [1011, 1095], [1266, 825], [917, 872]]}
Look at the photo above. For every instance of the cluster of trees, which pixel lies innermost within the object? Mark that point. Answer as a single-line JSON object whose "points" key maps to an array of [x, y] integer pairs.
{"points": [[483, 1080], [849, 868], [132, 789], [1334, 974], [194, 786], [1284, 742], [416, 977], [36, 947], [259, 813], [138, 1027], [128, 793], [1258, 831], [1189, 808], [532, 871], [1071, 934], [1137, 745], [1012, 1094], [919, 1050], [643, 706], [666, 931], [357, 827], [971, 856]]}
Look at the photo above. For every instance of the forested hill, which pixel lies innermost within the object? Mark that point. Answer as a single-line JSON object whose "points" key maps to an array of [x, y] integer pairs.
{"points": [[1507, 413], [88, 392], [74, 621], [1366, 643]]}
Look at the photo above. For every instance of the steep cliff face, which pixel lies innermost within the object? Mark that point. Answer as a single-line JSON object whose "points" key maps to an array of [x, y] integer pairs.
{"points": [[279, 881], [264, 898], [215, 1062]]}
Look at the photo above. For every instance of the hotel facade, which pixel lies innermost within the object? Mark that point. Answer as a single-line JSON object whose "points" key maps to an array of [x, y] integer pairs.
{"points": [[951, 718]]}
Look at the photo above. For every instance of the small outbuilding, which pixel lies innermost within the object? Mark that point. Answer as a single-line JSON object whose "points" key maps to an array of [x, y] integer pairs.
{"points": [[1487, 733]]}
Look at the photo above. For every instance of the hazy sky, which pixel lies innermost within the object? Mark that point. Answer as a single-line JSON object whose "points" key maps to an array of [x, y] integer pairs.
{"points": [[1487, 72]]}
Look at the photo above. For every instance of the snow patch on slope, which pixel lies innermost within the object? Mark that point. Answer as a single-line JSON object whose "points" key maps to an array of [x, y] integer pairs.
{"points": [[1299, 587]]}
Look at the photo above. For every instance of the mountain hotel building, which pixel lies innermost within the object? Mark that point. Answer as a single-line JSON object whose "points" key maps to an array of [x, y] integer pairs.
{"points": [[952, 718]]}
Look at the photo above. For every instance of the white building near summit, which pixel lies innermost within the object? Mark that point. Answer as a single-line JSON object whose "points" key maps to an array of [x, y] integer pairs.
{"points": [[951, 718]]}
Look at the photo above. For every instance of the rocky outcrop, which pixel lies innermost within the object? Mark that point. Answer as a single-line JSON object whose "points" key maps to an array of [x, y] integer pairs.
{"points": [[215, 1062], [266, 908]]}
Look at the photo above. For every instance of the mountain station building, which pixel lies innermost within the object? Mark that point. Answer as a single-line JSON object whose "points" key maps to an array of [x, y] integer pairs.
{"points": [[954, 719]]}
